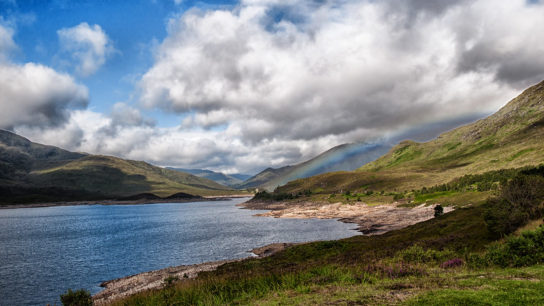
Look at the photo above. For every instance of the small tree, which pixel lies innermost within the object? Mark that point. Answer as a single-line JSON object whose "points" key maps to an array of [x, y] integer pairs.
{"points": [[79, 297], [438, 211]]}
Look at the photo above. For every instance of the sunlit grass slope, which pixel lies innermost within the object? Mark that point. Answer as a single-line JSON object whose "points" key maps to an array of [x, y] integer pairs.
{"points": [[511, 138], [111, 175]]}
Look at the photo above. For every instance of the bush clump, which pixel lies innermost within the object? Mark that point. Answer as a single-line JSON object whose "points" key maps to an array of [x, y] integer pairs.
{"points": [[396, 270], [264, 195], [416, 254], [520, 200], [517, 251], [452, 263], [79, 297], [438, 211]]}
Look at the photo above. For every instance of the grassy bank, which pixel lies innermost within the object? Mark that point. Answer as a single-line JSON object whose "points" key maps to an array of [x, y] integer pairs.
{"points": [[373, 270], [465, 256]]}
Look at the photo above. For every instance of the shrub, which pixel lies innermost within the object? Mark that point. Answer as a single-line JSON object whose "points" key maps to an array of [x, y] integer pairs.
{"points": [[520, 201], [524, 250], [502, 218], [525, 192], [396, 270], [438, 211], [416, 254], [517, 251], [171, 280], [264, 195], [79, 297], [452, 263]]}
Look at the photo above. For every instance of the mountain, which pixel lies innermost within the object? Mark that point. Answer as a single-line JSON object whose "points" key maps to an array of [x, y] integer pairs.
{"points": [[263, 177], [218, 177], [31, 172], [242, 177], [510, 138], [340, 158]]}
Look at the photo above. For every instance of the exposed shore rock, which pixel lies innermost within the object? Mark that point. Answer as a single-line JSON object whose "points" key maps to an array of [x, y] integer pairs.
{"points": [[371, 220], [271, 249], [126, 286]]}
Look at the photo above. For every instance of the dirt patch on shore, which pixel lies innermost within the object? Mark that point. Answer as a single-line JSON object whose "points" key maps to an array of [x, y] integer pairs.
{"points": [[371, 220]]}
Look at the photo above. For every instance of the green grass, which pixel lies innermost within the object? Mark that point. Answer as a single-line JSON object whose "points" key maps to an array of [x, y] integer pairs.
{"points": [[354, 285], [486, 290], [423, 198], [452, 146], [440, 287], [520, 153]]}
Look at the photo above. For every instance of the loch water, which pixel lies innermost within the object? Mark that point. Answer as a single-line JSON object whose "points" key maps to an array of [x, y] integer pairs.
{"points": [[44, 251]]}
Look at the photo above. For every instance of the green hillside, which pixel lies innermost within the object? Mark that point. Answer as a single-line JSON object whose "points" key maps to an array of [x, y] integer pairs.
{"points": [[111, 175], [31, 172], [510, 138]]}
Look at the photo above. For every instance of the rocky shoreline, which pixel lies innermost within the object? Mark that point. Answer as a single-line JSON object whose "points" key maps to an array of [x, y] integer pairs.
{"points": [[126, 286], [371, 220]]}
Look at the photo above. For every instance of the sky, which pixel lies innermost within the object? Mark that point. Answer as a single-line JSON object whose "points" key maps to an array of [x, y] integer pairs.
{"points": [[239, 86]]}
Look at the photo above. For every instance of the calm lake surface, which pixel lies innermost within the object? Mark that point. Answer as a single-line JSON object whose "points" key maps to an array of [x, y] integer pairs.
{"points": [[45, 251]]}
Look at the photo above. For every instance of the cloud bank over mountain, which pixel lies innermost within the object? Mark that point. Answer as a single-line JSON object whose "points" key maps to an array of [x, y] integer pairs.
{"points": [[272, 83]]}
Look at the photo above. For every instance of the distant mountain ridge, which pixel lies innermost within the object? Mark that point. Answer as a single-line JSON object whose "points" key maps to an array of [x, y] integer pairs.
{"points": [[344, 157], [262, 178], [32, 172], [231, 180]]}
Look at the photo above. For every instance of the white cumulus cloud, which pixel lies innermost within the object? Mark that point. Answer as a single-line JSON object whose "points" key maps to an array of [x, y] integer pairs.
{"points": [[33, 94], [88, 45], [306, 69], [37, 95], [271, 83]]}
